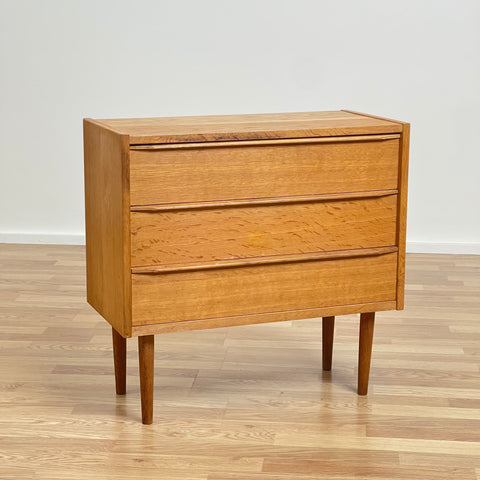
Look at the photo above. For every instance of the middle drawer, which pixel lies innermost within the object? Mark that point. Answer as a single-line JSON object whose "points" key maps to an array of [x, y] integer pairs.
{"points": [[201, 235]]}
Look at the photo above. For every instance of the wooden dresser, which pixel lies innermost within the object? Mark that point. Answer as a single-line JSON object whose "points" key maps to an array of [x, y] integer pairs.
{"points": [[203, 222]]}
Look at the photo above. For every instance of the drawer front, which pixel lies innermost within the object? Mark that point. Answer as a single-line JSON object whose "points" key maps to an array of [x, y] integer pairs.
{"points": [[216, 293], [206, 235], [206, 173]]}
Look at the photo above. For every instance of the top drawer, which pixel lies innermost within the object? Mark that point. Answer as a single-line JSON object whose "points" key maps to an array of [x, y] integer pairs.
{"points": [[247, 170]]}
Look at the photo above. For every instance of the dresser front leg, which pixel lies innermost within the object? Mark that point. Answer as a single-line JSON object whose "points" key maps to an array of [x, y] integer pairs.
{"points": [[120, 362], [367, 321], [328, 327], [145, 356]]}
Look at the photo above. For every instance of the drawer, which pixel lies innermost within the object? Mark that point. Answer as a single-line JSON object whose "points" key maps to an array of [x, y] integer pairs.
{"points": [[212, 172], [199, 235], [226, 292]]}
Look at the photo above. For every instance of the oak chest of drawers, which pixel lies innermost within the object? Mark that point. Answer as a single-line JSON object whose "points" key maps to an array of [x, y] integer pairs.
{"points": [[202, 222]]}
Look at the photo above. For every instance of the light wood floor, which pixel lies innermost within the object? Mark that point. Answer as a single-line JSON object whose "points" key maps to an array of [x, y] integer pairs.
{"points": [[247, 403]]}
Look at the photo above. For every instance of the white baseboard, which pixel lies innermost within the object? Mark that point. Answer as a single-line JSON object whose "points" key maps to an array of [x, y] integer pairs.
{"points": [[447, 248], [79, 239], [43, 238]]}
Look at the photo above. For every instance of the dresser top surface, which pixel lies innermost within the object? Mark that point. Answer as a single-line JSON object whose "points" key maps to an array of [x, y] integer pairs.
{"points": [[247, 127]]}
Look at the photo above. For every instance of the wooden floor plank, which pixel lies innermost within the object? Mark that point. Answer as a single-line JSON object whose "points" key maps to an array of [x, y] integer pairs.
{"points": [[250, 402]]}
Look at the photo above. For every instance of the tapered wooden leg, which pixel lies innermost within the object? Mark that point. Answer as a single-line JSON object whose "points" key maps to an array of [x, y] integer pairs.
{"points": [[328, 327], [120, 362], [367, 321], [145, 356]]}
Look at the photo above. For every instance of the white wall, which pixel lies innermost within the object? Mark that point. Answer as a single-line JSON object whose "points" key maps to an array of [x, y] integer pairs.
{"points": [[62, 60]]}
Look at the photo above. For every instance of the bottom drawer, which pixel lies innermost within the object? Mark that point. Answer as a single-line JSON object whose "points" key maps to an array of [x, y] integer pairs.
{"points": [[247, 290]]}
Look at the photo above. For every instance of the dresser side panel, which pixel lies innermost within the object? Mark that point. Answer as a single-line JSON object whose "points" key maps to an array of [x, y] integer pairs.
{"points": [[106, 155], [402, 213]]}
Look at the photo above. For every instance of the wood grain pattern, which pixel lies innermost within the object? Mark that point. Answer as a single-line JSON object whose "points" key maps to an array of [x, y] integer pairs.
{"points": [[213, 174], [202, 236], [183, 296], [247, 402], [247, 127], [107, 225]]}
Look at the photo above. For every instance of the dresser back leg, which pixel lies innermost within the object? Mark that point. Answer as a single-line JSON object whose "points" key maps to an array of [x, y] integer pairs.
{"points": [[328, 327], [120, 362], [367, 321], [145, 357]]}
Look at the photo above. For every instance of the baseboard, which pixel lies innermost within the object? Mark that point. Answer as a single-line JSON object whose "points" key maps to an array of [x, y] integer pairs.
{"points": [[79, 239], [43, 238], [446, 248]]}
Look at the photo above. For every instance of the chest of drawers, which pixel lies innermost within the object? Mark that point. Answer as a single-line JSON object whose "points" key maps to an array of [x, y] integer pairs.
{"points": [[203, 222]]}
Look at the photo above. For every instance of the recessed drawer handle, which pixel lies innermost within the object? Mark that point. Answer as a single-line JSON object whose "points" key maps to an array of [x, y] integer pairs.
{"points": [[166, 207], [243, 262], [251, 143]]}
